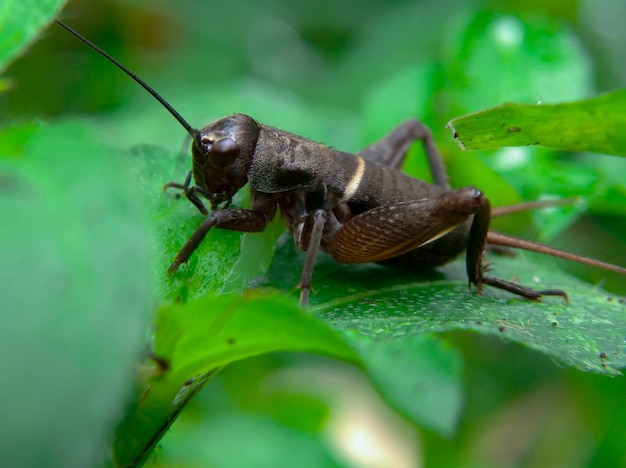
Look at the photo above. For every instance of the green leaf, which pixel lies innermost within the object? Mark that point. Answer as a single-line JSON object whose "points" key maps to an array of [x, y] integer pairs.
{"points": [[385, 314], [418, 375], [20, 23], [198, 338], [210, 333], [76, 292], [492, 58], [594, 124], [381, 303]]}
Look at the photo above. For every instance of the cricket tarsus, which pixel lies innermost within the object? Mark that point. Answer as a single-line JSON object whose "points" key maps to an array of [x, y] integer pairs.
{"points": [[190, 192], [523, 291], [358, 208]]}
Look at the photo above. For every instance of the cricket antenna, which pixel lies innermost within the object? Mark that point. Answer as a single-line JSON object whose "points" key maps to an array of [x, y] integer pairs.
{"points": [[195, 134]]}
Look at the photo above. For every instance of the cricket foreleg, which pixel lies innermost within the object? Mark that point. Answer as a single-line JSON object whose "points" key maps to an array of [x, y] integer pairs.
{"points": [[234, 220], [189, 191]]}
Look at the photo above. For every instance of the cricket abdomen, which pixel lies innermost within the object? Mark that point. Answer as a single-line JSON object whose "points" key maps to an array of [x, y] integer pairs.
{"points": [[381, 185]]}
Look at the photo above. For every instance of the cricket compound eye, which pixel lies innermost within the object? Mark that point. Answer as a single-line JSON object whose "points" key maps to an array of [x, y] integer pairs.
{"points": [[223, 152], [226, 147]]}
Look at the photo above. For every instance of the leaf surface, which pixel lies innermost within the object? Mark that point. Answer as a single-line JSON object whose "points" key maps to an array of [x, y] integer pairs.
{"points": [[594, 124]]}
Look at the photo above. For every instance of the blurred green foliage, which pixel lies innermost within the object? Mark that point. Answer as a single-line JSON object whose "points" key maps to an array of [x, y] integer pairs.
{"points": [[343, 73]]}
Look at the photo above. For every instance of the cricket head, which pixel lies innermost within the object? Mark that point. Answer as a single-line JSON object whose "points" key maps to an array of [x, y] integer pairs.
{"points": [[222, 154], [222, 151]]}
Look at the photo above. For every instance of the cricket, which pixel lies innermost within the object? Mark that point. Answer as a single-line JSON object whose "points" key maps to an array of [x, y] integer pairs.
{"points": [[358, 208]]}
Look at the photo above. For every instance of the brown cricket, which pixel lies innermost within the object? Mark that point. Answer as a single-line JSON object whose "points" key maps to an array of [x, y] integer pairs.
{"points": [[358, 208]]}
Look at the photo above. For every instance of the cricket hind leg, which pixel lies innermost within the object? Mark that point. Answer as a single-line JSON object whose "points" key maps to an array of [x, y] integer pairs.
{"points": [[407, 228], [478, 237], [428, 233], [497, 240], [391, 150]]}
